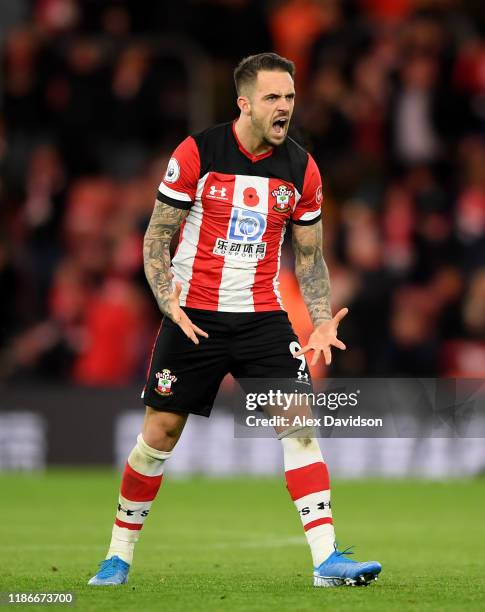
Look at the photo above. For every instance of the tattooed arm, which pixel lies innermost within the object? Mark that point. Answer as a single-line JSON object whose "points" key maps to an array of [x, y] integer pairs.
{"points": [[311, 271], [313, 278], [165, 221]]}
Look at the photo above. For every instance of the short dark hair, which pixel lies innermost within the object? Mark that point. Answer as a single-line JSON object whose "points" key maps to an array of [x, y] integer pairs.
{"points": [[248, 68]]}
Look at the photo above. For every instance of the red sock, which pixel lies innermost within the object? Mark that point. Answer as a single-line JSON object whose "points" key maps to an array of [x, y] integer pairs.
{"points": [[308, 483], [141, 480]]}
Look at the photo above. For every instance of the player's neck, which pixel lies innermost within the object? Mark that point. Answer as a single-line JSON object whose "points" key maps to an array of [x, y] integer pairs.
{"points": [[249, 140]]}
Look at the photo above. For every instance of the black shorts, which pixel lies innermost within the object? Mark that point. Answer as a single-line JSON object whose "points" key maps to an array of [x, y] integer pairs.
{"points": [[185, 377]]}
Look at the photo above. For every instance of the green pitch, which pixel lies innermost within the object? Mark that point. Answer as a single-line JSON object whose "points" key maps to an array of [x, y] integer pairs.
{"points": [[237, 544]]}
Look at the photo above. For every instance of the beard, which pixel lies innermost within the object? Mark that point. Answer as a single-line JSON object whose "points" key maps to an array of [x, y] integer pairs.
{"points": [[263, 130]]}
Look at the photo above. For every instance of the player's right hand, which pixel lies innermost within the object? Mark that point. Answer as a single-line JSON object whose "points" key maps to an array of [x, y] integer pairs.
{"points": [[178, 316]]}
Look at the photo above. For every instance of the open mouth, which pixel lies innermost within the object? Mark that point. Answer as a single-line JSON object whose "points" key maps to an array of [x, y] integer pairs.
{"points": [[280, 125]]}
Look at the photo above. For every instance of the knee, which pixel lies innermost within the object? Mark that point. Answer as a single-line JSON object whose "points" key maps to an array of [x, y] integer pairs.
{"points": [[171, 431], [171, 425], [163, 429]]}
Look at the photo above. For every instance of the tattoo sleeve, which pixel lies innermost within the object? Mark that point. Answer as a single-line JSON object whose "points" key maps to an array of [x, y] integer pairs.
{"points": [[311, 271], [164, 223]]}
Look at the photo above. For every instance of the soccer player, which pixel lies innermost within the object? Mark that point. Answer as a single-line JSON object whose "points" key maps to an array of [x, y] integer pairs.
{"points": [[232, 190]]}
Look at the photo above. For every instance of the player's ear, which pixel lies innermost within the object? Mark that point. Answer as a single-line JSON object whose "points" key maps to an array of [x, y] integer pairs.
{"points": [[244, 105]]}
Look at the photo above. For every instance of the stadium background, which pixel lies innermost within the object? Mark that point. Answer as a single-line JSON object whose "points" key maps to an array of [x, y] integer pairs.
{"points": [[94, 97]]}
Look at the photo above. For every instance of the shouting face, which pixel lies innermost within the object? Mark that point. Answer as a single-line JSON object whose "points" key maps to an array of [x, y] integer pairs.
{"points": [[270, 103]]}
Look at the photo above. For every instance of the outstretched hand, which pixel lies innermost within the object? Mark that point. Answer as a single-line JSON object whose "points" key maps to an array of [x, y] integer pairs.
{"points": [[178, 316], [323, 337]]}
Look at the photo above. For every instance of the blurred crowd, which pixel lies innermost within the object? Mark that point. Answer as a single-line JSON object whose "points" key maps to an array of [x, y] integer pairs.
{"points": [[390, 101]]}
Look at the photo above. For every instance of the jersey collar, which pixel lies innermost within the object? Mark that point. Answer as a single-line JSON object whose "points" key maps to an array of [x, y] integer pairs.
{"points": [[250, 156]]}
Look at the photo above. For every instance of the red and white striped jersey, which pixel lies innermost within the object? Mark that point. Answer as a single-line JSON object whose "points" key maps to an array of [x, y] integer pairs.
{"points": [[228, 255]]}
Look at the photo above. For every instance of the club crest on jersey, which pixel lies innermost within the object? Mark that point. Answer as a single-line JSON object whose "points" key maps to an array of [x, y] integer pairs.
{"points": [[282, 195], [165, 380]]}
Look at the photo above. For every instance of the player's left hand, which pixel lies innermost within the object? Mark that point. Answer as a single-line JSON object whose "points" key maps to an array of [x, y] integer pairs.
{"points": [[323, 337]]}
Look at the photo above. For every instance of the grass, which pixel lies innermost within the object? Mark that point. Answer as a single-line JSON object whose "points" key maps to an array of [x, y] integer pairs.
{"points": [[237, 544]]}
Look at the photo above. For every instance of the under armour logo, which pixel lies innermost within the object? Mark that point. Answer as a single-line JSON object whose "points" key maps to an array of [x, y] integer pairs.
{"points": [[219, 193], [302, 376], [127, 512], [142, 512]]}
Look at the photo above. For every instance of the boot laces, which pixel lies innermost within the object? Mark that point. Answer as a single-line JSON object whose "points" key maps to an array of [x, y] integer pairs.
{"points": [[346, 551]]}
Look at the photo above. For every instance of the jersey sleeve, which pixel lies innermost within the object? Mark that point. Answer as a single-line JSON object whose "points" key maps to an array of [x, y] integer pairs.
{"points": [[309, 207], [179, 185]]}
